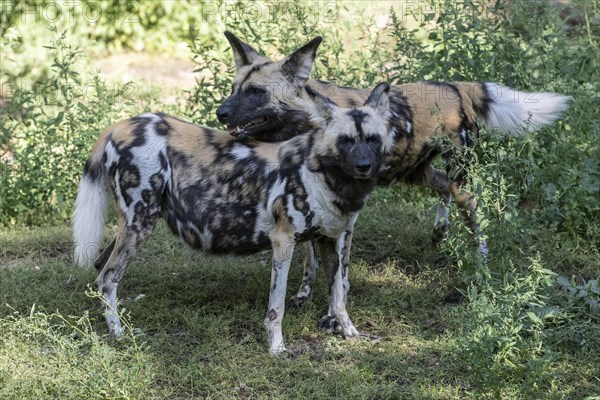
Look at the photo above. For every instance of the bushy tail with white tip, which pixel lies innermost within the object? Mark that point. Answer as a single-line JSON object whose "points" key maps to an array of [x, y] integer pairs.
{"points": [[90, 214], [515, 112]]}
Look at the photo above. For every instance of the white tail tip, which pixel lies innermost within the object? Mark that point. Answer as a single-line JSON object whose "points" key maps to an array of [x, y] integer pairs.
{"points": [[88, 219], [516, 112]]}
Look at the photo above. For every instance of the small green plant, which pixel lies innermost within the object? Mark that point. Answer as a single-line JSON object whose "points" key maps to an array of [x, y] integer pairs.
{"points": [[502, 345], [576, 321], [585, 295]]}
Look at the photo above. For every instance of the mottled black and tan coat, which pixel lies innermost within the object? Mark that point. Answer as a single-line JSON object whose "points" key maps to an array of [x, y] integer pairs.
{"points": [[221, 195], [264, 104]]}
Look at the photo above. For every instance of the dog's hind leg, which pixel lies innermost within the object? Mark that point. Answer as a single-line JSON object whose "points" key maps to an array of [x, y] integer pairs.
{"points": [[466, 202], [311, 265], [130, 238], [468, 207], [438, 180], [104, 256], [442, 221]]}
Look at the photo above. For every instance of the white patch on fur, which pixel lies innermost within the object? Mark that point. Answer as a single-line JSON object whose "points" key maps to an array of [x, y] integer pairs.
{"points": [[298, 219], [408, 127], [441, 215], [206, 237], [179, 227], [515, 112], [149, 115], [113, 157], [321, 201], [276, 190], [264, 218], [147, 161], [463, 136], [264, 222], [88, 219], [391, 139], [239, 151]]}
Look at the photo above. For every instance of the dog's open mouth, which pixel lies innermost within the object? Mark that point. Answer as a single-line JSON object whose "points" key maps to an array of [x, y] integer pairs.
{"points": [[362, 175], [242, 130]]}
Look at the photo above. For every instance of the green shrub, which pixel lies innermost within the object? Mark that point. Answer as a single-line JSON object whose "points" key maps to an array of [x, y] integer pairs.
{"points": [[47, 132], [553, 173], [502, 341]]}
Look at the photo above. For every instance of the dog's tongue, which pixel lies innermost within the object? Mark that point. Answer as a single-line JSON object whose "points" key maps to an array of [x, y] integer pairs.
{"points": [[230, 129]]}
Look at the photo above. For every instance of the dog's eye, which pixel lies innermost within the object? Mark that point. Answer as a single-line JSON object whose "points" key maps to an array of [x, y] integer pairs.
{"points": [[255, 90], [347, 140], [373, 139]]}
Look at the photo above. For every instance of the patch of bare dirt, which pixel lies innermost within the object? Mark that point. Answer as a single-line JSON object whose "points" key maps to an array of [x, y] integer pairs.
{"points": [[168, 73]]}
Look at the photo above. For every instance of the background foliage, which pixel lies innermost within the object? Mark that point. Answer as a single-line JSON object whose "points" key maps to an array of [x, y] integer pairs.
{"points": [[522, 325]]}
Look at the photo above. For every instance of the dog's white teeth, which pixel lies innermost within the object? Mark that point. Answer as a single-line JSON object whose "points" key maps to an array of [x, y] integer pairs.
{"points": [[255, 122]]}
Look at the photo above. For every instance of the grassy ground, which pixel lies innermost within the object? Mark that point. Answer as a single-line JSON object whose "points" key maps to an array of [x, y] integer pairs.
{"points": [[198, 328]]}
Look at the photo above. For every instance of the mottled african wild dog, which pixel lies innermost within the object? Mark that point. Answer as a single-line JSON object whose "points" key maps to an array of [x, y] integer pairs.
{"points": [[264, 105], [226, 196]]}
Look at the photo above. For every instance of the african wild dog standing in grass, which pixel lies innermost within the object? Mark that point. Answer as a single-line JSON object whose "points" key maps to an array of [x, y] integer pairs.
{"points": [[226, 196], [264, 105]]}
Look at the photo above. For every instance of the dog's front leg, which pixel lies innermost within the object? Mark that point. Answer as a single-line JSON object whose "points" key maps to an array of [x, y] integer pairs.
{"points": [[282, 244], [311, 264], [335, 257]]}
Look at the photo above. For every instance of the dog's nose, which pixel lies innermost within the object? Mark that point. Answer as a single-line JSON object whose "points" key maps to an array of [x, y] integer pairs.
{"points": [[363, 166], [222, 114]]}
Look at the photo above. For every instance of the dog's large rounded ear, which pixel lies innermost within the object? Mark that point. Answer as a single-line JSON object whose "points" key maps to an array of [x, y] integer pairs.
{"points": [[379, 100], [297, 65], [243, 53]]}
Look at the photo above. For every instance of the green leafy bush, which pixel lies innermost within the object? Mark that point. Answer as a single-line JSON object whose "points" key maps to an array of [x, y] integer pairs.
{"points": [[554, 173], [502, 344], [47, 132]]}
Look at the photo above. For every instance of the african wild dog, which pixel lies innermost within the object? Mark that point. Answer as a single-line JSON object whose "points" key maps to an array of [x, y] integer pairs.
{"points": [[264, 105], [225, 196]]}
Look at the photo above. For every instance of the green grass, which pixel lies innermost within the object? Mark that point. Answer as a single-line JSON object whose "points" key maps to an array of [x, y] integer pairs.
{"points": [[198, 330]]}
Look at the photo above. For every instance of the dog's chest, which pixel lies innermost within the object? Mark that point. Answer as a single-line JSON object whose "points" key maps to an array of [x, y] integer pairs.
{"points": [[313, 210]]}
